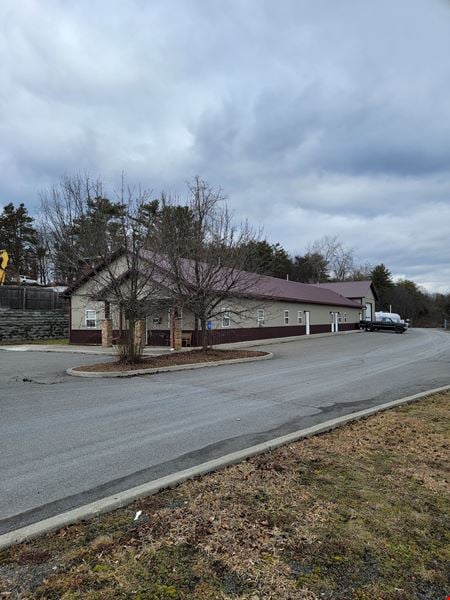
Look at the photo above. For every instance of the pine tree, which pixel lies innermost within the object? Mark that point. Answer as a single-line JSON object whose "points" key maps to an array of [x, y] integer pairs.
{"points": [[19, 238], [382, 280]]}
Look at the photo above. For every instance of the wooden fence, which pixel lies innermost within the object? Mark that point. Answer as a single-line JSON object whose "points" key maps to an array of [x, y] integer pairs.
{"points": [[22, 297]]}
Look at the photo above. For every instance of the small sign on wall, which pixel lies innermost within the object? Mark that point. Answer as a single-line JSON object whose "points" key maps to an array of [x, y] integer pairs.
{"points": [[209, 325]]}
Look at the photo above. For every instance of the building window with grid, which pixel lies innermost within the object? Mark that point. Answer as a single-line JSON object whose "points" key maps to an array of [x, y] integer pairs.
{"points": [[300, 317], [260, 318], [345, 317], [91, 318], [286, 317]]}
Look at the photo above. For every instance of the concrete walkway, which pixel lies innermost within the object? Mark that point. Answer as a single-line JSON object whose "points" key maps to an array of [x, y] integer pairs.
{"points": [[159, 350], [79, 349]]}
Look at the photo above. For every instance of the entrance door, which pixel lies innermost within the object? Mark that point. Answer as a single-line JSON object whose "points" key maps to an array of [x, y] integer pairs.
{"points": [[334, 320], [307, 322]]}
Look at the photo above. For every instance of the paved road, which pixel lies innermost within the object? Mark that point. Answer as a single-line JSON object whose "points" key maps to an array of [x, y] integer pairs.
{"points": [[67, 441]]}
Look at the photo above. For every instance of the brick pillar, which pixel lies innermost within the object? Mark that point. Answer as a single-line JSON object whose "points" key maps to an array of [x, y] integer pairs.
{"points": [[139, 333], [177, 334], [107, 333], [175, 330]]}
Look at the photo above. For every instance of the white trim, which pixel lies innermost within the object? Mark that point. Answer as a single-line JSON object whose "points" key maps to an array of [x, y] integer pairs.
{"points": [[308, 322]]}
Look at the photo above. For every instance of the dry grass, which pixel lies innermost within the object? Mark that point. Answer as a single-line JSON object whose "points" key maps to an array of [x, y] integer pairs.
{"points": [[359, 513], [173, 359], [51, 342]]}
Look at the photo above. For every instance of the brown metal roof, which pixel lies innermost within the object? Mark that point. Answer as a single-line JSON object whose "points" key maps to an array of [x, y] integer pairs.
{"points": [[260, 286], [293, 291], [349, 289]]}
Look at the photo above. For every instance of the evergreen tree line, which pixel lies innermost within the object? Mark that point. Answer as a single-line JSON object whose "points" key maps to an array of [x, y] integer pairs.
{"points": [[89, 225]]}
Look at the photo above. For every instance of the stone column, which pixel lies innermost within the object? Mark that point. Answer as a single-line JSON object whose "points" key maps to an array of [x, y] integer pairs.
{"points": [[175, 330], [177, 334], [139, 333], [106, 333]]}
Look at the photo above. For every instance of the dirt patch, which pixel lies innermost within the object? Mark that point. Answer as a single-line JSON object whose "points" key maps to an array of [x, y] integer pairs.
{"points": [[359, 513], [173, 359]]}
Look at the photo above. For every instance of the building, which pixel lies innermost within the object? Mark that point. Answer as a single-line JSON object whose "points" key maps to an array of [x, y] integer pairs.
{"points": [[362, 292], [268, 308]]}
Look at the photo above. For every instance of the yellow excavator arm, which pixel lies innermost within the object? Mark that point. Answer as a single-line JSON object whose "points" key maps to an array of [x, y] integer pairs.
{"points": [[3, 262]]}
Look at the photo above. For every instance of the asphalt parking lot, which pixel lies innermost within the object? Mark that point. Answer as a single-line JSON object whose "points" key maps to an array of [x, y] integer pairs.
{"points": [[68, 441]]}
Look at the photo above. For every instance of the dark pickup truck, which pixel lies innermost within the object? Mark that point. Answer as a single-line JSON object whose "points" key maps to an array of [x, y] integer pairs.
{"points": [[384, 324]]}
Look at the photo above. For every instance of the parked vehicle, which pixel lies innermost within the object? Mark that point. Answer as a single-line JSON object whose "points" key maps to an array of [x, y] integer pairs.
{"points": [[25, 280], [394, 316], [385, 324]]}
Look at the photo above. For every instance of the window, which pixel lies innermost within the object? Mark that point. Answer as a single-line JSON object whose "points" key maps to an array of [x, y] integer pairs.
{"points": [[226, 321], [300, 317], [339, 317], [91, 318], [286, 317], [345, 317], [260, 317]]}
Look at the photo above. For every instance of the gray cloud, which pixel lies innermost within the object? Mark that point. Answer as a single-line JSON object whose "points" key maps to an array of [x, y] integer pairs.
{"points": [[316, 118]]}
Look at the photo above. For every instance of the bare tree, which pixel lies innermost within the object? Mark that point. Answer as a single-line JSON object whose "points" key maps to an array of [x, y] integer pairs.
{"points": [[117, 253], [361, 272], [42, 255], [207, 255], [80, 224], [339, 258]]}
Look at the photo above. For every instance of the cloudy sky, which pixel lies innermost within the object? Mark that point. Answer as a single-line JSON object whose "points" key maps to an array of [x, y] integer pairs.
{"points": [[316, 118]]}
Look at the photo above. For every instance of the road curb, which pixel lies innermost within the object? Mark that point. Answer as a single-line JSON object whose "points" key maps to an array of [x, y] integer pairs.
{"points": [[147, 489], [154, 370]]}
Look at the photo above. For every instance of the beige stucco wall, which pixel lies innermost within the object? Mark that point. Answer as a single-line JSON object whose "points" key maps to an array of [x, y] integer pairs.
{"points": [[187, 321], [244, 313], [80, 302]]}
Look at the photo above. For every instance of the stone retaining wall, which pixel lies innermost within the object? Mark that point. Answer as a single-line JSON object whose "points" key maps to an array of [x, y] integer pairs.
{"points": [[24, 325]]}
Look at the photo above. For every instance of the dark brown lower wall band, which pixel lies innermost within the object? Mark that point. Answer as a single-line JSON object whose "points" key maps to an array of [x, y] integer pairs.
{"points": [[88, 336], [246, 334], [216, 336]]}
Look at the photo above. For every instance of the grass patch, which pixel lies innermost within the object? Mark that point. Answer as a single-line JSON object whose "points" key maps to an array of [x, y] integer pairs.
{"points": [[173, 359], [359, 513]]}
